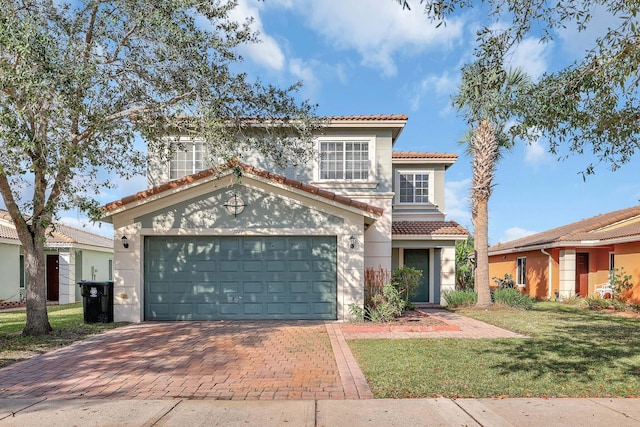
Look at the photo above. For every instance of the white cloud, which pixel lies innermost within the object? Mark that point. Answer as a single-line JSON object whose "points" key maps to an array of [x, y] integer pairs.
{"points": [[441, 85], [457, 203], [514, 233], [266, 53], [531, 56], [535, 153], [303, 71], [378, 33]]}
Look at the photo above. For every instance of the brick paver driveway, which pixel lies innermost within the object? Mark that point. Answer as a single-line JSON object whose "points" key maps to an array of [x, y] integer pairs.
{"points": [[213, 360]]}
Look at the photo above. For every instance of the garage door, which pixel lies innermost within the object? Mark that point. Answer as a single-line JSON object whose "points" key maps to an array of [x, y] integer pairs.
{"points": [[213, 278]]}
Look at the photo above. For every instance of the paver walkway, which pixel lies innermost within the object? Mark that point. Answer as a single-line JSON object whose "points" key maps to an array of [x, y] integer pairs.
{"points": [[215, 360]]}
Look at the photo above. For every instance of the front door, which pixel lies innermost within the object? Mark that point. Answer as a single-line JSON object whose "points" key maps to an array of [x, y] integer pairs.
{"points": [[53, 278], [419, 259], [582, 274]]}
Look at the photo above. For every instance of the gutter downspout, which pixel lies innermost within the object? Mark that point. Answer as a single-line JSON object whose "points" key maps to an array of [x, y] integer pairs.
{"points": [[550, 268]]}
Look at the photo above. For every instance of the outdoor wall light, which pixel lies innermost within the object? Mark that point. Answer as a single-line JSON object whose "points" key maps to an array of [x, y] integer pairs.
{"points": [[125, 242], [352, 242]]}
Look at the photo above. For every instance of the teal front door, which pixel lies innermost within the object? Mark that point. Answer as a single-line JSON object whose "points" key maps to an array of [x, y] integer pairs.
{"points": [[215, 278], [419, 259]]}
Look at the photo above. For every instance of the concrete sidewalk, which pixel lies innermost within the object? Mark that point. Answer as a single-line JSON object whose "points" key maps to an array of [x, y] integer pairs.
{"points": [[352, 413]]}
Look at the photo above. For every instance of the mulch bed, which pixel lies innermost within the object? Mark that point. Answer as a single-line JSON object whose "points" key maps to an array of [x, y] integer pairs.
{"points": [[410, 321]]}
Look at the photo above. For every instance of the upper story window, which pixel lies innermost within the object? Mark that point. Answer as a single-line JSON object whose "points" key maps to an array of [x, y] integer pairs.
{"points": [[344, 160], [187, 161], [414, 187]]}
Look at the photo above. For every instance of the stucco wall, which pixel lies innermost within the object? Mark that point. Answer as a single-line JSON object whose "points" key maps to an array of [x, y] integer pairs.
{"points": [[537, 271], [627, 256], [10, 268], [138, 223]]}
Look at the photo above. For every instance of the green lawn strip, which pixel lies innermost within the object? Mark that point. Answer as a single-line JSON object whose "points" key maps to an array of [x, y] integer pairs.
{"points": [[572, 353], [68, 326]]}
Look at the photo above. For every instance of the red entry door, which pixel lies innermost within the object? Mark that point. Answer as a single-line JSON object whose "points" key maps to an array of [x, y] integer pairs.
{"points": [[582, 274], [53, 277]]}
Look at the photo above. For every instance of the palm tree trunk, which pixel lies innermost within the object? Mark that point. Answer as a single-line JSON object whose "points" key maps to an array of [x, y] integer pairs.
{"points": [[481, 236], [484, 146]]}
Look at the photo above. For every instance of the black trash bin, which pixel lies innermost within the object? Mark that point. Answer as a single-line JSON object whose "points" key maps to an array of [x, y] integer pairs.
{"points": [[97, 301]]}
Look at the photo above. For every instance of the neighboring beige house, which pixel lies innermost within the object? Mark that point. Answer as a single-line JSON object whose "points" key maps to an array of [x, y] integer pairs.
{"points": [[204, 244], [71, 255]]}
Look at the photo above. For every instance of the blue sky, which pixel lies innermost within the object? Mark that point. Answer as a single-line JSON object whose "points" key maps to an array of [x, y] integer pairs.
{"points": [[372, 57]]}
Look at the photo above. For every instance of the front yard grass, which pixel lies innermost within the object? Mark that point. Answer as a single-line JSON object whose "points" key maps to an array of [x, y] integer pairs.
{"points": [[571, 352], [68, 326]]}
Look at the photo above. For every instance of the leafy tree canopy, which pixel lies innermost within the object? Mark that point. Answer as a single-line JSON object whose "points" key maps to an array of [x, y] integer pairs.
{"points": [[590, 105], [81, 80]]}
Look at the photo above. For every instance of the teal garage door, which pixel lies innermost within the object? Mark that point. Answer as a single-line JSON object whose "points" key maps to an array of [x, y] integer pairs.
{"points": [[215, 278]]}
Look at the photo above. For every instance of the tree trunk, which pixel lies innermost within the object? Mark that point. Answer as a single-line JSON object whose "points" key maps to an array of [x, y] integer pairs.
{"points": [[484, 147], [481, 236], [34, 269]]}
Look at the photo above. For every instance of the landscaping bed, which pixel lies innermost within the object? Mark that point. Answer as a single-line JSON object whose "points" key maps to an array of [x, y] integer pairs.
{"points": [[409, 321]]}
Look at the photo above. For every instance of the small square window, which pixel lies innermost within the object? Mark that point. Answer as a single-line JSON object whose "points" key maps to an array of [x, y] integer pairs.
{"points": [[414, 188]]}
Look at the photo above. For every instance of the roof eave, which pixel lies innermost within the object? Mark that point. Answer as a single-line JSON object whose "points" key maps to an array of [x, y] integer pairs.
{"points": [[429, 237]]}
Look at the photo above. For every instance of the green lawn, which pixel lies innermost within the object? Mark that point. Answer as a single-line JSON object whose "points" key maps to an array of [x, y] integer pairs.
{"points": [[572, 352], [67, 324]]}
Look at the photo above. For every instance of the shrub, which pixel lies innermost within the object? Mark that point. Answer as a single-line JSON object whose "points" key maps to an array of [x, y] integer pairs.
{"points": [[388, 306], [374, 281], [505, 283], [459, 298], [407, 280], [596, 303], [383, 307], [357, 312], [620, 280], [512, 297], [464, 266], [618, 305]]}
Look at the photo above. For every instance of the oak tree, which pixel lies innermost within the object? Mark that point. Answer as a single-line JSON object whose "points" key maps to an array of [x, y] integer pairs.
{"points": [[82, 81]]}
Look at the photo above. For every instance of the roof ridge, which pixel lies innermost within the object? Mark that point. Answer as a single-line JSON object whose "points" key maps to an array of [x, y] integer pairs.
{"points": [[568, 231]]}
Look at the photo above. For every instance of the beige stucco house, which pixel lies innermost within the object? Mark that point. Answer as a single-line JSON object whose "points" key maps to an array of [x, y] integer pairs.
{"points": [[207, 244], [71, 255]]}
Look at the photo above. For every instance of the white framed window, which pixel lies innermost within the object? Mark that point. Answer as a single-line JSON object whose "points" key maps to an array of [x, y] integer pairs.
{"points": [[521, 271], [345, 160], [414, 187], [612, 265], [188, 160]]}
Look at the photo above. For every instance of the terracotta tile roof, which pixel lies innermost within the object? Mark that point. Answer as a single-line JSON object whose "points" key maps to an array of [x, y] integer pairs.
{"points": [[66, 234], [428, 228], [62, 234], [279, 179], [423, 155], [604, 227], [371, 118], [8, 232]]}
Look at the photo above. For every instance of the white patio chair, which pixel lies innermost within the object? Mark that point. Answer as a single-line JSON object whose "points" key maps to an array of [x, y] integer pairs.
{"points": [[604, 289]]}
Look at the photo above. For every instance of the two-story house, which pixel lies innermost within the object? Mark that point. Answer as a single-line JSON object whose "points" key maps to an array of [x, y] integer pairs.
{"points": [[242, 242]]}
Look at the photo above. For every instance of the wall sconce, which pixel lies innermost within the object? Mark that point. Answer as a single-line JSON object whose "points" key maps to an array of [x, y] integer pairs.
{"points": [[125, 242], [352, 242]]}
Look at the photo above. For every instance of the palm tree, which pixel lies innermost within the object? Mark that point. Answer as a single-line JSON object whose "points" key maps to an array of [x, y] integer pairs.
{"points": [[486, 97]]}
